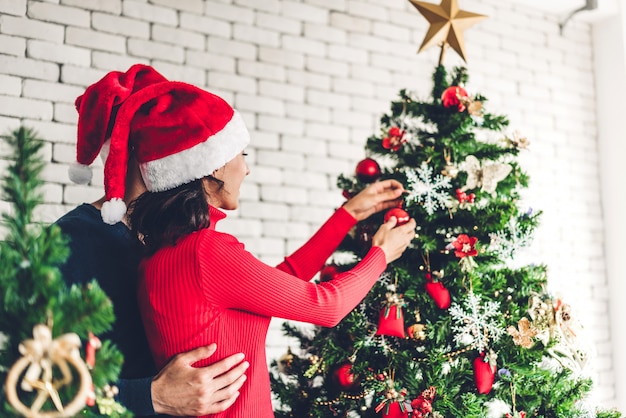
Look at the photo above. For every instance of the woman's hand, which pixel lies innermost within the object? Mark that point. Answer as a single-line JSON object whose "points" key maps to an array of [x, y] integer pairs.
{"points": [[393, 239], [374, 198]]}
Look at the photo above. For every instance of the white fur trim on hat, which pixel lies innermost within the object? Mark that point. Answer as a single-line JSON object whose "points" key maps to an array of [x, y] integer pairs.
{"points": [[198, 161], [80, 173], [104, 150], [113, 211]]}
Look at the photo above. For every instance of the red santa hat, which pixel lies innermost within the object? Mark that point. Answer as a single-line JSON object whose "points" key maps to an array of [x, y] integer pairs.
{"points": [[97, 108], [178, 133]]}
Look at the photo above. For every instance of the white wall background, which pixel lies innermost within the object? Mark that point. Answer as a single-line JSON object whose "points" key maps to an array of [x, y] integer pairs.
{"points": [[312, 78]]}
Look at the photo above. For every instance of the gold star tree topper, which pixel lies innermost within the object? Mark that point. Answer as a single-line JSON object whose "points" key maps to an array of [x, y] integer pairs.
{"points": [[447, 23]]}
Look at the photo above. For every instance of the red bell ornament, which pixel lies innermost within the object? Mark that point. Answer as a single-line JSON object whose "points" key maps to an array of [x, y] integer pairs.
{"points": [[368, 170], [395, 410], [391, 321], [438, 292], [484, 374]]}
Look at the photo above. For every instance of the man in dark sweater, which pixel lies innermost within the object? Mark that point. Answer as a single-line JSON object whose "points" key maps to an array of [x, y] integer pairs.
{"points": [[110, 254]]}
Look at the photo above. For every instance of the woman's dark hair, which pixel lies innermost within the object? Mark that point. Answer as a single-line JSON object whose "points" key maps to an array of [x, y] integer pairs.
{"points": [[162, 218]]}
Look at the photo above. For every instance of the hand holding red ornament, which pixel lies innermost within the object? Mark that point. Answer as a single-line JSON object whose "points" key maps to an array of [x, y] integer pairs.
{"points": [[401, 216], [377, 196], [393, 239]]}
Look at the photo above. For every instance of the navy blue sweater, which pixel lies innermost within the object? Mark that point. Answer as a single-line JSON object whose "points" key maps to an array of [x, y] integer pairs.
{"points": [[110, 254]]}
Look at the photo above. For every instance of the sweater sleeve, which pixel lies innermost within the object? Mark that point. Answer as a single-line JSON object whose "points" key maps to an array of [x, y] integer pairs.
{"points": [[233, 278], [310, 258], [136, 395]]}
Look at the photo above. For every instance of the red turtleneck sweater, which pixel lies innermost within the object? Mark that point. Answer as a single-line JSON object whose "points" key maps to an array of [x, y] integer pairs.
{"points": [[208, 288]]}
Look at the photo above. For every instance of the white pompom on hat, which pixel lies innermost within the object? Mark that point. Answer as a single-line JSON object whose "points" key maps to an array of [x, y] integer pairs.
{"points": [[178, 133]]}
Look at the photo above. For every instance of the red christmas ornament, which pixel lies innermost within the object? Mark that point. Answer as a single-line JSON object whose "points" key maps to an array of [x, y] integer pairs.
{"points": [[423, 404], [364, 233], [484, 374], [394, 139], [464, 246], [368, 170], [391, 322], [401, 216], [437, 292], [454, 96], [395, 410], [93, 344], [347, 194], [344, 378], [328, 273], [463, 197]]}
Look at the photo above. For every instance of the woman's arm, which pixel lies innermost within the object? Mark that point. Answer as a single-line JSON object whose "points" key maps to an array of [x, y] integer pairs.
{"points": [[310, 258], [233, 278]]}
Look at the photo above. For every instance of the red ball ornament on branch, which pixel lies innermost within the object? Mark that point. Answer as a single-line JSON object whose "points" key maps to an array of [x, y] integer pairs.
{"points": [[368, 170], [401, 215], [455, 96], [328, 273], [348, 194], [343, 378]]}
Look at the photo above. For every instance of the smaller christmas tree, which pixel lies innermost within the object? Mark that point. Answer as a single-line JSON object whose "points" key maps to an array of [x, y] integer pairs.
{"points": [[43, 323]]}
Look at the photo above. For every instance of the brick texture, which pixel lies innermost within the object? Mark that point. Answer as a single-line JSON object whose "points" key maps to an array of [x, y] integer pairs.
{"points": [[311, 79]]}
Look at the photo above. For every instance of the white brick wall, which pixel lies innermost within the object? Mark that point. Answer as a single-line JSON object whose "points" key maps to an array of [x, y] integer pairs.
{"points": [[311, 79]]}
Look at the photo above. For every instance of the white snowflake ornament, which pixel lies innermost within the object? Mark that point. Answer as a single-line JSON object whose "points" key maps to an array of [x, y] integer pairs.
{"points": [[433, 191]]}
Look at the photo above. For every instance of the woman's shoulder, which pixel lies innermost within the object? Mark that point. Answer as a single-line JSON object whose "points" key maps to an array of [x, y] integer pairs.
{"points": [[215, 239]]}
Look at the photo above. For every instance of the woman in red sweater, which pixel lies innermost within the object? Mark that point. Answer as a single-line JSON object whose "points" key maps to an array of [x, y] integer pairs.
{"points": [[199, 285]]}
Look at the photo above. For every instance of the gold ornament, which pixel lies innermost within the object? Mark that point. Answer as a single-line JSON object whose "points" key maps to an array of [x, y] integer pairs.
{"points": [[524, 333], [487, 177], [285, 362], [417, 331], [450, 169], [517, 141], [474, 107], [447, 23], [43, 359]]}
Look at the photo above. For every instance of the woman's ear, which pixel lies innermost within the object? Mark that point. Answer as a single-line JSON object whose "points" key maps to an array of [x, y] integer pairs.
{"points": [[217, 173], [206, 185]]}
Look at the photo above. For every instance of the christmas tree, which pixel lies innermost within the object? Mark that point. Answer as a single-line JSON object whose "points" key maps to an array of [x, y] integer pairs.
{"points": [[46, 327], [453, 328]]}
